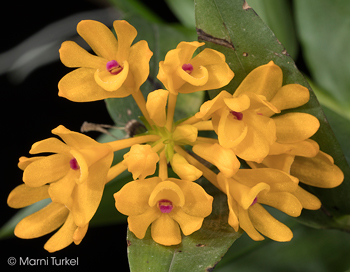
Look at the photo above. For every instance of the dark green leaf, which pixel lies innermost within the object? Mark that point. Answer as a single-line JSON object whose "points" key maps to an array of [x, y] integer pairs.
{"points": [[233, 28]]}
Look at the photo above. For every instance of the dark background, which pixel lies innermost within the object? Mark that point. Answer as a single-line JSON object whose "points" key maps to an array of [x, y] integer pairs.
{"points": [[30, 110]]}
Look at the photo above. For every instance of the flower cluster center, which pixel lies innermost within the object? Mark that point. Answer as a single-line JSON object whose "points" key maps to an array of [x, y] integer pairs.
{"points": [[237, 115], [165, 206], [188, 68], [114, 67], [74, 164]]}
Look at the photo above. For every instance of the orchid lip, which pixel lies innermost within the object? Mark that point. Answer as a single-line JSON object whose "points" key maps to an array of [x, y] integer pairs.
{"points": [[165, 206], [74, 164], [187, 67], [114, 67], [237, 115]]}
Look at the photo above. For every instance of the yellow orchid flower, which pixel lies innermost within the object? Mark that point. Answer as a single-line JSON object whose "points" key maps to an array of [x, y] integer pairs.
{"points": [[117, 70], [55, 215], [242, 120], [180, 73], [73, 177], [250, 187], [165, 205]]}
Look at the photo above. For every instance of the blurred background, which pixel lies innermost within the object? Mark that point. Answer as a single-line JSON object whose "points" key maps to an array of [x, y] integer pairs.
{"points": [[316, 34]]}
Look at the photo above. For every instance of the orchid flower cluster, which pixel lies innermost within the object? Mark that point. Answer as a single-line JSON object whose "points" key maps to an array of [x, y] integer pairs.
{"points": [[249, 126]]}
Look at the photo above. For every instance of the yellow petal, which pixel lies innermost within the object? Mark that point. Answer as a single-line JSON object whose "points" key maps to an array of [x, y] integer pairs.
{"points": [[264, 80], [247, 225], [138, 224], [241, 193], [187, 50], [307, 148], [233, 212], [42, 222], [239, 103], [133, 198], [282, 162], [166, 231], [126, 34], [188, 223], [24, 195], [99, 37], [284, 201], [139, 58], [156, 104], [46, 170], [269, 226], [198, 77], [307, 200], [183, 169], [72, 55], [73, 138], [80, 86], [231, 131], [291, 96], [167, 190], [319, 171], [276, 179], [185, 134], [112, 83], [52, 145], [61, 191], [79, 234], [197, 202], [63, 237], [295, 127], [87, 196], [209, 107], [24, 161], [223, 158]]}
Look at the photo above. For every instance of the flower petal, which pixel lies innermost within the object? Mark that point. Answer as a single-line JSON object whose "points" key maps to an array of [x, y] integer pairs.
{"points": [[188, 223], [61, 191], [319, 171], [166, 231], [268, 225], [246, 224], [63, 237], [138, 224], [197, 202], [209, 107], [264, 80], [156, 104], [187, 50], [49, 145], [133, 198], [80, 86], [46, 170], [79, 234], [126, 34], [87, 195], [198, 77], [223, 158], [23, 195], [72, 55], [112, 83], [307, 200], [42, 222], [307, 148], [185, 134], [283, 201], [277, 179], [167, 190], [74, 139], [99, 37], [231, 131], [295, 127], [183, 169]]}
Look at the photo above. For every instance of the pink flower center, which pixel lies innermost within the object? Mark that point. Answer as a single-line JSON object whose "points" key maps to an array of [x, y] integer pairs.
{"points": [[237, 115], [74, 164], [165, 206], [254, 201], [114, 67], [188, 68]]}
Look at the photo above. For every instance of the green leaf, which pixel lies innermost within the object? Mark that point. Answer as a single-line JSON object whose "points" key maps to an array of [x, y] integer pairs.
{"points": [[323, 27], [278, 16], [233, 28], [200, 251]]}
